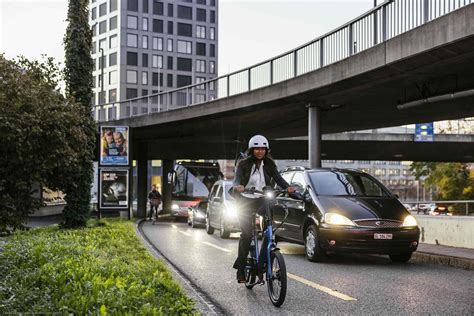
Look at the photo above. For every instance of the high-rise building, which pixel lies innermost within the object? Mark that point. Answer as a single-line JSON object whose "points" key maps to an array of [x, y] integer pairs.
{"points": [[141, 47]]}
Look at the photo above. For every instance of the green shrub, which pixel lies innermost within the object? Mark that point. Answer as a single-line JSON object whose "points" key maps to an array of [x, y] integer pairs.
{"points": [[101, 269]]}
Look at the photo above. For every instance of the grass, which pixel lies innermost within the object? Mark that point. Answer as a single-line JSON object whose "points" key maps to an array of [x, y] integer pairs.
{"points": [[102, 269]]}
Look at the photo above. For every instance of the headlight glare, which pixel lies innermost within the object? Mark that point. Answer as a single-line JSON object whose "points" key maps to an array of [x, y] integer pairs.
{"points": [[231, 212], [409, 221], [175, 207], [337, 219]]}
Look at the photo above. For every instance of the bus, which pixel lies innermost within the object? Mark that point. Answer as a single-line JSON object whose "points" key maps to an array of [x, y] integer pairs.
{"points": [[191, 183]]}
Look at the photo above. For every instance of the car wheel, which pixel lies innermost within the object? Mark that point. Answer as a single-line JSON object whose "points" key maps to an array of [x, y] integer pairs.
{"points": [[313, 250], [223, 232], [404, 257], [209, 228]]}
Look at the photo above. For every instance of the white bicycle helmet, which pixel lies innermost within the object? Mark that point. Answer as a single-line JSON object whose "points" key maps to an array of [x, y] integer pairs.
{"points": [[258, 141]]}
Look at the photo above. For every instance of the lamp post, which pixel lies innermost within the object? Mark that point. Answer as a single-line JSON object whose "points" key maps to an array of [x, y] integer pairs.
{"points": [[102, 60]]}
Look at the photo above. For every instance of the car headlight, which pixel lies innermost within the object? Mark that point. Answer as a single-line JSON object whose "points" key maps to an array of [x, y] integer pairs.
{"points": [[175, 207], [409, 221], [231, 212], [337, 219]]}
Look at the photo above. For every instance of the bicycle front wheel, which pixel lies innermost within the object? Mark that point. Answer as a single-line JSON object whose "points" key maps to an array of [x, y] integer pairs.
{"points": [[277, 281]]}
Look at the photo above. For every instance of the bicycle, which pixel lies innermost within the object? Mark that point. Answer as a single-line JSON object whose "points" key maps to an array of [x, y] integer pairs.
{"points": [[275, 272]]}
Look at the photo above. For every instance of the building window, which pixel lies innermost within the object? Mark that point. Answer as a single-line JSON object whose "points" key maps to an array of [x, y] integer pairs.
{"points": [[213, 16], [212, 67], [102, 62], [199, 80], [113, 59], [157, 61], [131, 93], [185, 64], [183, 80], [132, 40], [157, 79], [157, 43], [170, 27], [113, 23], [144, 60], [102, 43], [212, 85], [94, 30], [157, 26], [93, 13], [94, 47], [185, 12], [213, 3], [201, 49], [379, 172], [144, 77], [145, 6], [113, 77], [212, 50], [132, 76], [102, 27], [185, 29], [132, 59], [200, 65], [132, 5], [113, 41], [201, 15], [184, 47], [157, 7], [103, 9], [113, 5], [145, 24], [200, 31], [145, 42], [169, 80], [212, 33], [132, 22], [170, 9], [201, 2], [170, 62], [112, 95], [170, 45]]}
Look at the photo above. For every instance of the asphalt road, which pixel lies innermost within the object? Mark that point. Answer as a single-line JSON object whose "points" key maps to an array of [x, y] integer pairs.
{"points": [[348, 284]]}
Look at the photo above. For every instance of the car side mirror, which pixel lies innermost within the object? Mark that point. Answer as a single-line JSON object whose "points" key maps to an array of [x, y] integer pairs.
{"points": [[306, 194], [396, 195], [172, 178]]}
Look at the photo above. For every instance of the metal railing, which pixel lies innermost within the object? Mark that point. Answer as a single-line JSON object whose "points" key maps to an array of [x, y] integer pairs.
{"points": [[460, 207], [385, 21]]}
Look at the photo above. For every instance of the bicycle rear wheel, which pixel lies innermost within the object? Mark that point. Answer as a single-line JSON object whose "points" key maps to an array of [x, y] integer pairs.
{"points": [[250, 273], [277, 281]]}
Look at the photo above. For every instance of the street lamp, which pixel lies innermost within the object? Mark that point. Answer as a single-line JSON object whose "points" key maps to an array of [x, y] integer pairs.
{"points": [[102, 60]]}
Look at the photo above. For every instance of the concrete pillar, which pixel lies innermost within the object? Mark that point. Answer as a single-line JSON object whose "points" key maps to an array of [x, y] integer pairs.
{"points": [[142, 179], [314, 136], [167, 167]]}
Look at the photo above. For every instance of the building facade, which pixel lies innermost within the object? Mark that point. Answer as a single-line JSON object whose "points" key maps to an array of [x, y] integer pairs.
{"points": [[141, 47]]}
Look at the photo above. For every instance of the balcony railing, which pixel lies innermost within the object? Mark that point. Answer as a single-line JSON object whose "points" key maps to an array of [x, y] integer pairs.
{"points": [[383, 22]]}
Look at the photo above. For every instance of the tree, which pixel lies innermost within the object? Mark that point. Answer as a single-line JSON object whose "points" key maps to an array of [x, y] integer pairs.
{"points": [[78, 75], [41, 134]]}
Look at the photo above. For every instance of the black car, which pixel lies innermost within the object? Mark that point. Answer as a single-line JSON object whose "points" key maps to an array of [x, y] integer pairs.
{"points": [[344, 210], [197, 215]]}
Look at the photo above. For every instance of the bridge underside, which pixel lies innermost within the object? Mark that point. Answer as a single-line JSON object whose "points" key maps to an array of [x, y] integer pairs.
{"points": [[360, 92]]}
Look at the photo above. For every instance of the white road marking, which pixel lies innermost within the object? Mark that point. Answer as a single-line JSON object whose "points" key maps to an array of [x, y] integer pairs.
{"points": [[174, 226], [185, 233], [217, 247], [321, 288]]}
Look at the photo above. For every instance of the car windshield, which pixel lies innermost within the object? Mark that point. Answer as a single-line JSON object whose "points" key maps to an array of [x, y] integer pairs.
{"points": [[337, 182]]}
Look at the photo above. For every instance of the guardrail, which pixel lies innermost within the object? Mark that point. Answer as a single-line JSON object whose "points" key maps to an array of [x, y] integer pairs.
{"points": [[385, 21], [424, 206]]}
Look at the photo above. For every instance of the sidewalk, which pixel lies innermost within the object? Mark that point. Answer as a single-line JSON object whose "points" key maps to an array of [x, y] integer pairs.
{"points": [[437, 254], [445, 255]]}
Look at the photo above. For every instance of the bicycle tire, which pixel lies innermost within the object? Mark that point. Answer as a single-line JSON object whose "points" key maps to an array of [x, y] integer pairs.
{"points": [[277, 282], [250, 273]]}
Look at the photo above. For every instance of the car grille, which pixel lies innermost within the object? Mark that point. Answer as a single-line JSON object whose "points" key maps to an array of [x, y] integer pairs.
{"points": [[379, 223]]}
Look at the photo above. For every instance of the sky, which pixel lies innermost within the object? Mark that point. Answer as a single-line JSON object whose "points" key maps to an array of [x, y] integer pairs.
{"points": [[250, 31]]}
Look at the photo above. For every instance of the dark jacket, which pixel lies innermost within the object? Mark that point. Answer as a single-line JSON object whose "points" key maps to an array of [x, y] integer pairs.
{"points": [[242, 174], [154, 194]]}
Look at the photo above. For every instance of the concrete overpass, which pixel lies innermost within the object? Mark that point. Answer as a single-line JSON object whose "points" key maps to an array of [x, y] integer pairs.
{"points": [[424, 74]]}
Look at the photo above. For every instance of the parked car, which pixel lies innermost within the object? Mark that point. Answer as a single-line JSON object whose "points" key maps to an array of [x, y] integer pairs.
{"points": [[222, 211], [440, 209], [197, 214], [345, 210], [425, 208]]}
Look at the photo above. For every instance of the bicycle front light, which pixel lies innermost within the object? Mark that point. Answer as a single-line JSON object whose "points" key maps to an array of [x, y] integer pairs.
{"points": [[269, 195]]}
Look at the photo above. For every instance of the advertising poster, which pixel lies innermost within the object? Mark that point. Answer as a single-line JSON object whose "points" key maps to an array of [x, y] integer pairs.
{"points": [[113, 188], [114, 145]]}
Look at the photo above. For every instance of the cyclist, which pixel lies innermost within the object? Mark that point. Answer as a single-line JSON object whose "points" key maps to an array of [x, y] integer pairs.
{"points": [[256, 171]]}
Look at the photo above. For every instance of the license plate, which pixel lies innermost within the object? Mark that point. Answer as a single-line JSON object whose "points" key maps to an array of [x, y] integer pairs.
{"points": [[383, 236]]}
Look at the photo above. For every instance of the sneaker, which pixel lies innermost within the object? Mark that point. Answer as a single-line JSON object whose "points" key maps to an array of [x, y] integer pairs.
{"points": [[261, 280], [241, 276]]}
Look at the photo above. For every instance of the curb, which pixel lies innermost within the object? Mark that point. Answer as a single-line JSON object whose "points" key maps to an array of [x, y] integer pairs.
{"points": [[456, 262]]}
